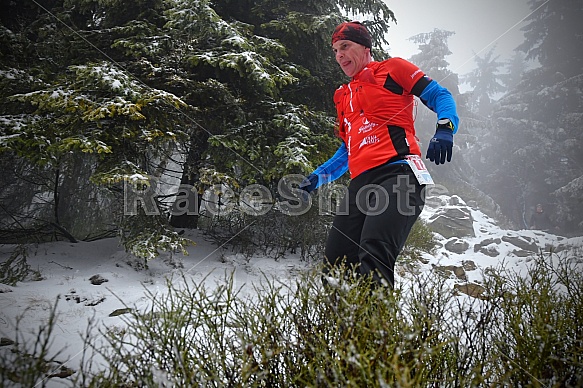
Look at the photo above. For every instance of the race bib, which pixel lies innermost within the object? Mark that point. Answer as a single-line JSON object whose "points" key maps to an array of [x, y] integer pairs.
{"points": [[423, 176]]}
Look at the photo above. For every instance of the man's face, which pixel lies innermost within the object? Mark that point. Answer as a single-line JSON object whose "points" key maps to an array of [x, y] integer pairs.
{"points": [[352, 57]]}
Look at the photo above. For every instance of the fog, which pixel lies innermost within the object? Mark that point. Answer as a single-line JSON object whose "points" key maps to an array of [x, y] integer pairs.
{"points": [[478, 27]]}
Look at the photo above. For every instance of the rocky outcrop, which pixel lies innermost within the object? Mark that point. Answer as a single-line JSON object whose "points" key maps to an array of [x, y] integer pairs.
{"points": [[525, 243], [469, 265], [453, 221], [472, 289], [449, 271], [488, 247], [457, 245], [97, 280], [486, 242]]}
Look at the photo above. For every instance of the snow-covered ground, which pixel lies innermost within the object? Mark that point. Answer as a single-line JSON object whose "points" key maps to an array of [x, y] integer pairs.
{"points": [[67, 271]]}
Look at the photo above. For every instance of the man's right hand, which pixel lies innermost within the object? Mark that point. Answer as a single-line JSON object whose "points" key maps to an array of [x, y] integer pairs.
{"points": [[309, 184]]}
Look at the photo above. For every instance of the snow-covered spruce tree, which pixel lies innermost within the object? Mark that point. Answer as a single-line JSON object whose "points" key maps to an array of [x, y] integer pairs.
{"points": [[516, 67], [532, 152], [275, 62], [276, 58], [30, 189], [433, 49], [85, 115], [485, 81], [460, 177], [127, 90], [15, 78]]}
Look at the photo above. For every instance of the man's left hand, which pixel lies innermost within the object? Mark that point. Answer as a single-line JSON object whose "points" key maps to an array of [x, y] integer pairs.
{"points": [[441, 145]]}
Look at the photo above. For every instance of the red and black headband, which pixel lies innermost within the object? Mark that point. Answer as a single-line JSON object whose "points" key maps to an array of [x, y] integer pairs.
{"points": [[353, 31]]}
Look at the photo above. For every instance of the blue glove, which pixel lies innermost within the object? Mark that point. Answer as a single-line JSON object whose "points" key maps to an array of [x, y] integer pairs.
{"points": [[309, 184], [441, 145]]}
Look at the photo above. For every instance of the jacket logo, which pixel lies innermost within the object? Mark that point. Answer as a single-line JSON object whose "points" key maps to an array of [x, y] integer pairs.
{"points": [[367, 126], [369, 140], [348, 125]]}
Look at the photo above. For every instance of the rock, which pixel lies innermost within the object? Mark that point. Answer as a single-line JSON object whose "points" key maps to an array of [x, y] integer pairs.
{"points": [[522, 242], [407, 268], [522, 253], [455, 200], [483, 247], [6, 341], [5, 288], [472, 289], [424, 260], [117, 312], [489, 251], [436, 202], [62, 373], [485, 242], [73, 296], [452, 222], [97, 280], [457, 245], [469, 265], [448, 270]]}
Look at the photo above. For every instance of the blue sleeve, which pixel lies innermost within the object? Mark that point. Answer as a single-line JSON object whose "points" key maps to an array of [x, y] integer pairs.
{"points": [[439, 99], [334, 167]]}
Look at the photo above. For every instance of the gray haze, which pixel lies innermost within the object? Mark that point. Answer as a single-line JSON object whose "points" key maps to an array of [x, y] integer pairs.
{"points": [[478, 26]]}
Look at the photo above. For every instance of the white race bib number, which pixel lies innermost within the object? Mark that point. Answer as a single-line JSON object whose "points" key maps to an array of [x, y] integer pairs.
{"points": [[416, 163]]}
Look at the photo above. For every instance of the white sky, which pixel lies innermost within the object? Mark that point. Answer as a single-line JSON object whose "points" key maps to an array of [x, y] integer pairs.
{"points": [[478, 26]]}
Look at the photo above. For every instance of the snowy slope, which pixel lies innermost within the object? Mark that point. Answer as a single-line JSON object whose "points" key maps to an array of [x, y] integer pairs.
{"points": [[67, 271]]}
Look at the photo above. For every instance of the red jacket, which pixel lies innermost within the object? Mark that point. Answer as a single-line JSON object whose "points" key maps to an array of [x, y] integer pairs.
{"points": [[375, 114]]}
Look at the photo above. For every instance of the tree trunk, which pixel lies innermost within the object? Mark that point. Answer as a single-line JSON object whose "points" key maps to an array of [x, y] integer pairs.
{"points": [[185, 209]]}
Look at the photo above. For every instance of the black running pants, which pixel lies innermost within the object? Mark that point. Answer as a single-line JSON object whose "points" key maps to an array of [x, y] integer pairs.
{"points": [[382, 206]]}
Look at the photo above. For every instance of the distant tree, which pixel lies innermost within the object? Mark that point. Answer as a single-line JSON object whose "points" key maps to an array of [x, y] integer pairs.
{"points": [[433, 48], [431, 59], [532, 152], [459, 176], [485, 81], [515, 69], [553, 36]]}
